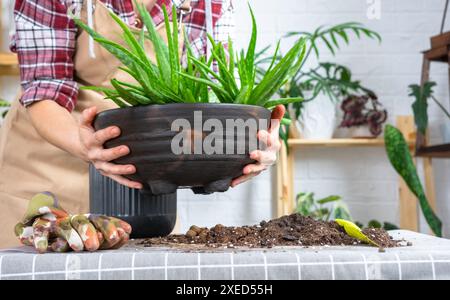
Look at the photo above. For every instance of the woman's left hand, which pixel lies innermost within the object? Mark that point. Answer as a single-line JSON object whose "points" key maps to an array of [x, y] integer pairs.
{"points": [[264, 158]]}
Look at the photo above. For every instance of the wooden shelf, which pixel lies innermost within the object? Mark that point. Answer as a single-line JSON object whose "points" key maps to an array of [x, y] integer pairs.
{"points": [[436, 151], [8, 64], [8, 60], [336, 143], [439, 54]]}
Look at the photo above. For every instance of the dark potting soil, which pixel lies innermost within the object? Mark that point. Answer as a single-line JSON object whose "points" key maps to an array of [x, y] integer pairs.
{"points": [[292, 230]]}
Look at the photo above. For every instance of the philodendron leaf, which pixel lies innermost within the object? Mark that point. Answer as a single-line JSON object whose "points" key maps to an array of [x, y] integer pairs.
{"points": [[355, 232], [420, 105], [400, 158]]}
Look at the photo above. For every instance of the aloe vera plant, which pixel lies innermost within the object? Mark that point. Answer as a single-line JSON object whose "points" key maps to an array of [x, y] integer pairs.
{"points": [[247, 88], [168, 81], [158, 82]]}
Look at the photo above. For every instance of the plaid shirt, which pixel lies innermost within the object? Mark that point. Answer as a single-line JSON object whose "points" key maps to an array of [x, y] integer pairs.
{"points": [[45, 41]]}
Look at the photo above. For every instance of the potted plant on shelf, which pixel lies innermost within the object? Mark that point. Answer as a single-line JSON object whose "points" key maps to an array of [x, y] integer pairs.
{"points": [[421, 95], [324, 85], [363, 115], [166, 92]]}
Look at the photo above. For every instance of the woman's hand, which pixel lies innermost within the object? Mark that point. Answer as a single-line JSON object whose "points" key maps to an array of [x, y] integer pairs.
{"points": [[92, 150], [267, 157], [58, 127]]}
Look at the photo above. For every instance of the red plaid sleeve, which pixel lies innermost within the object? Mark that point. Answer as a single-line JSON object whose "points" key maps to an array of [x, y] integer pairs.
{"points": [[45, 44]]}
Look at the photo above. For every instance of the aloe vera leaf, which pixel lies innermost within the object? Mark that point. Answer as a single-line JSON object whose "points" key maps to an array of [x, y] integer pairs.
{"points": [[127, 96], [131, 40], [300, 59], [241, 97], [136, 88], [123, 54], [142, 38], [203, 93], [97, 89], [231, 56], [355, 232], [116, 51], [145, 83], [116, 99], [242, 68], [229, 81], [205, 70], [124, 94], [190, 97], [161, 50], [250, 57], [174, 63], [176, 46], [282, 101], [400, 158], [274, 58], [218, 90], [273, 80]]}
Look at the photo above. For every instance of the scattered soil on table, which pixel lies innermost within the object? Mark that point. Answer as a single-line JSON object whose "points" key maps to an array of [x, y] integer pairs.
{"points": [[292, 230]]}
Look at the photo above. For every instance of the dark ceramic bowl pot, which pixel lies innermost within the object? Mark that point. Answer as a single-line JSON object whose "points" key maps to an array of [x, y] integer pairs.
{"points": [[149, 215], [146, 130]]}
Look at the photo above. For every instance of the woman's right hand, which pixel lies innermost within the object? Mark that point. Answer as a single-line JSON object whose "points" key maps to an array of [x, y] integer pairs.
{"points": [[92, 150]]}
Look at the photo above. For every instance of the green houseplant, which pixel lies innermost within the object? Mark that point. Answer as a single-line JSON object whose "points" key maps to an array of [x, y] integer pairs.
{"points": [[326, 79], [5, 105], [166, 90], [400, 157], [167, 81], [422, 94]]}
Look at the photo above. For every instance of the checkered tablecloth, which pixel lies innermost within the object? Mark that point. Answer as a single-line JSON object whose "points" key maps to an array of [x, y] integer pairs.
{"points": [[428, 258]]}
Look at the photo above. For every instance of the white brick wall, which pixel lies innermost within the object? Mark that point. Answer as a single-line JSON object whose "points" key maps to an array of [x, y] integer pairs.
{"points": [[368, 184]]}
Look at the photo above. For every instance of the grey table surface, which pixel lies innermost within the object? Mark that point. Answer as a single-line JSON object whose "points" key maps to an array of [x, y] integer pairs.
{"points": [[427, 258]]}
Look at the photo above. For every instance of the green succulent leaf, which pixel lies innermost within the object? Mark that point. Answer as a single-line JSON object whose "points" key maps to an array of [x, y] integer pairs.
{"points": [[400, 158]]}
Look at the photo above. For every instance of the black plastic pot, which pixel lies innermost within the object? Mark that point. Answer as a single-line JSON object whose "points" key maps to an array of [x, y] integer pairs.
{"points": [[147, 131], [149, 215]]}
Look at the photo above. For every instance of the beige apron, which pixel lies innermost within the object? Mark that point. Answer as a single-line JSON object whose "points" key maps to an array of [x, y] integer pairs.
{"points": [[29, 164]]}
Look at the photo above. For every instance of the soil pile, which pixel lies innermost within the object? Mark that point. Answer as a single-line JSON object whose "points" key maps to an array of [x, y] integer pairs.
{"points": [[292, 230]]}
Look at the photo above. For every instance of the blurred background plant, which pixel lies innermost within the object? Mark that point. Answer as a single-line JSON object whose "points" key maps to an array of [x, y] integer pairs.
{"points": [[333, 80], [364, 110], [421, 95], [4, 107], [331, 208]]}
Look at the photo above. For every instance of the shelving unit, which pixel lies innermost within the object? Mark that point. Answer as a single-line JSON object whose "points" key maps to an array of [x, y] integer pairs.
{"points": [[8, 61], [8, 64], [440, 53], [301, 143], [284, 175]]}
